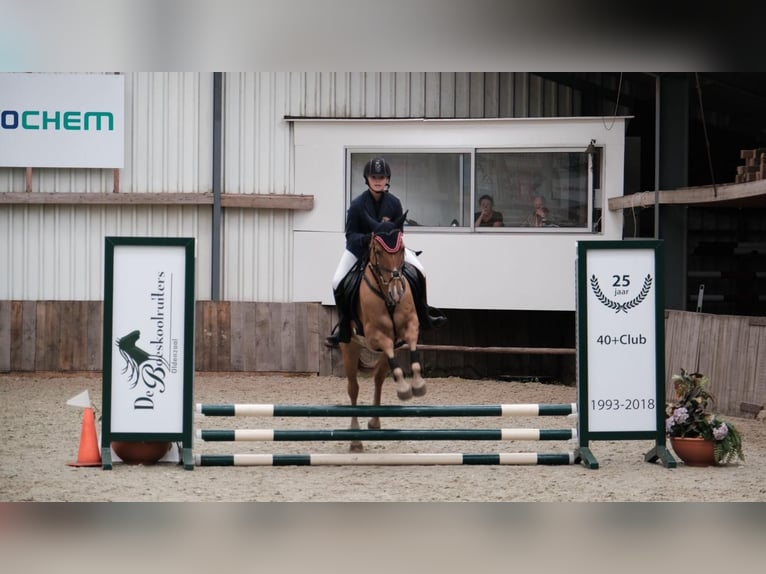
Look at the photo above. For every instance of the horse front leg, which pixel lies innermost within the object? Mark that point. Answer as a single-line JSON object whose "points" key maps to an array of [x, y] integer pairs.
{"points": [[386, 346], [403, 387], [351, 353], [418, 383], [411, 334]]}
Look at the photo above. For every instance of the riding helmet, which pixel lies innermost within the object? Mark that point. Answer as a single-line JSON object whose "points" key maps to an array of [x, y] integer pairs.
{"points": [[377, 166]]}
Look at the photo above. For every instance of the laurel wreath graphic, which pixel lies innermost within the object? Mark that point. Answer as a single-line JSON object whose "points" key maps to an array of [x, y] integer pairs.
{"points": [[621, 306]]}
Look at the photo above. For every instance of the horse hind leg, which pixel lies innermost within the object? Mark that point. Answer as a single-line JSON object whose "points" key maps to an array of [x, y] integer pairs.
{"points": [[418, 383], [351, 355], [379, 377]]}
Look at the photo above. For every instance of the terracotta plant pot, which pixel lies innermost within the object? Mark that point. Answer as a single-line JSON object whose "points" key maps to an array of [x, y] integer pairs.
{"points": [[693, 451], [140, 452]]}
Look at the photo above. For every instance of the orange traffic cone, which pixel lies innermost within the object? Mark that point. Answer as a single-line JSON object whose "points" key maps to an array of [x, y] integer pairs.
{"points": [[89, 454]]}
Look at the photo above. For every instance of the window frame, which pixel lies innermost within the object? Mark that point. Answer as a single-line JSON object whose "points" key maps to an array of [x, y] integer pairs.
{"points": [[593, 195]]}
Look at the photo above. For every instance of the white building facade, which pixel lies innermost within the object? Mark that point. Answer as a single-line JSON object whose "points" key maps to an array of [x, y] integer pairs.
{"points": [[451, 138]]}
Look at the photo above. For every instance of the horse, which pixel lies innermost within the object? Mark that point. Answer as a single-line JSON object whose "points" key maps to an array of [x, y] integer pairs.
{"points": [[385, 319]]}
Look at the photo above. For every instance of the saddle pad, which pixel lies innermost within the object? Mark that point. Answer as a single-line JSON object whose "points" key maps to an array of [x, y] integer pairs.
{"points": [[349, 288]]}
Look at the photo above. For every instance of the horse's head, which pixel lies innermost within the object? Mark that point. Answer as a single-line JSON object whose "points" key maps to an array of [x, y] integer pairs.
{"points": [[387, 258]]}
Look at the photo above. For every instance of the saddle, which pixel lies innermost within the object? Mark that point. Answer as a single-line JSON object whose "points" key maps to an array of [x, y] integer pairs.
{"points": [[347, 294]]}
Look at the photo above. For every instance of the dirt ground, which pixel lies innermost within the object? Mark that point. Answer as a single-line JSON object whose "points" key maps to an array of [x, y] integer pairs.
{"points": [[41, 434]]}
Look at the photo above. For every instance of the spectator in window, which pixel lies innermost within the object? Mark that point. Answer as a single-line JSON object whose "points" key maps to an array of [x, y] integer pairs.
{"points": [[487, 216], [540, 216]]}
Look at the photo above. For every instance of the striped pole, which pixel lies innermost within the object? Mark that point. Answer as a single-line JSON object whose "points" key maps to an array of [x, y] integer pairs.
{"points": [[386, 434], [520, 458], [502, 410]]}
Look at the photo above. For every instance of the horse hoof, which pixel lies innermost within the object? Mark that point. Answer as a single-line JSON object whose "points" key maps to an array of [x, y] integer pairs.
{"points": [[356, 447], [405, 395], [419, 391]]}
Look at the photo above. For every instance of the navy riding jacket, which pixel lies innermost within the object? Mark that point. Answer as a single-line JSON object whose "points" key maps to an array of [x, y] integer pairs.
{"points": [[358, 227]]}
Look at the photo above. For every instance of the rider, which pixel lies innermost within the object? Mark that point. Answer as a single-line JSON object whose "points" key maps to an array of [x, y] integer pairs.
{"points": [[381, 205]]}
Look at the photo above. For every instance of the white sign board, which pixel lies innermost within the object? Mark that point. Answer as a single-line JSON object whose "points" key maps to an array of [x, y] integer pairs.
{"points": [[622, 335], [621, 346], [148, 342], [148, 325], [62, 120]]}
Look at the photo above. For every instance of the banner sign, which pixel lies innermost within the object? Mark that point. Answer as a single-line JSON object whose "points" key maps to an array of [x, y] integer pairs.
{"points": [[621, 344], [62, 120], [621, 290], [148, 340]]}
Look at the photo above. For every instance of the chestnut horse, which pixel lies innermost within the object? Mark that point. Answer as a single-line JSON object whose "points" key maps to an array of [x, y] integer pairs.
{"points": [[386, 311]]}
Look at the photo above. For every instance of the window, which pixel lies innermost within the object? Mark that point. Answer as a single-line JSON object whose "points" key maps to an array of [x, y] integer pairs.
{"points": [[520, 180], [434, 186], [442, 188]]}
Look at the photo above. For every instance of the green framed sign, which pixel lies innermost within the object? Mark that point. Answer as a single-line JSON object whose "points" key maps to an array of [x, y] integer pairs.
{"points": [[621, 345], [148, 348]]}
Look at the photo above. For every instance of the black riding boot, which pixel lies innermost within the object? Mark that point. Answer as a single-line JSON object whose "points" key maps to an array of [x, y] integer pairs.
{"points": [[429, 317], [341, 332]]}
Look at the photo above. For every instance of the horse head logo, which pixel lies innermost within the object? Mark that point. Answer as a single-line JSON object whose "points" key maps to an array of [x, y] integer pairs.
{"points": [[136, 359]]}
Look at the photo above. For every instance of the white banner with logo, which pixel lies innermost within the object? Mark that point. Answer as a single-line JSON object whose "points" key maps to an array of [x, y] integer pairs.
{"points": [[148, 348], [62, 120], [621, 340]]}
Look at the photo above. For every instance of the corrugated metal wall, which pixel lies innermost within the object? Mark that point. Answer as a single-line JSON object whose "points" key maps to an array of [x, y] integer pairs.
{"points": [[169, 144], [56, 252]]}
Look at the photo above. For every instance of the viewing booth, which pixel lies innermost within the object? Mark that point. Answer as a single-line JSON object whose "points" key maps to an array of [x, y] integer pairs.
{"points": [[440, 170]]}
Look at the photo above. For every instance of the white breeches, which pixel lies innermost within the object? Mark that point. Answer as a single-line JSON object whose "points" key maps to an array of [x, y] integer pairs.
{"points": [[348, 259]]}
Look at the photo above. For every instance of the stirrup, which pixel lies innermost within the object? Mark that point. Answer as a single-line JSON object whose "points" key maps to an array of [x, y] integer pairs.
{"points": [[333, 340], [436, 317]]}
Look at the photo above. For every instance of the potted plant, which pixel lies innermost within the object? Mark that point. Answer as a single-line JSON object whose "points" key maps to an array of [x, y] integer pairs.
{"points": [[140, 452], [689, 417]]}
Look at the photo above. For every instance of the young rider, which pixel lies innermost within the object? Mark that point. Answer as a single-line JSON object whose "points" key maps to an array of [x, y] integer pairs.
{"points": [[381, 205]]}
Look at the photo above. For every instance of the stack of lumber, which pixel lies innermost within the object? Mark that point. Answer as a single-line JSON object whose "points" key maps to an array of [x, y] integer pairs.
{"points": [[755, 165]]}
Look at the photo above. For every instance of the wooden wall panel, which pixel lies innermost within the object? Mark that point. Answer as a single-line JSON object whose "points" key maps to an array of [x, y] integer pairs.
{"points": [[268, 341], [24, 336], [243, 336], [754, 392], [728, 341], [6, 312], [289, 337], [728, 349], [222, 351], [286, 328], [212, 339], [312, 346], [238, 337], [68, 336], [94, 330], [682, 336], [47, 329]]}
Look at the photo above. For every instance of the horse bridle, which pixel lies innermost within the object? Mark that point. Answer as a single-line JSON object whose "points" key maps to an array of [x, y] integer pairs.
{"points": [[383, 284]]}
